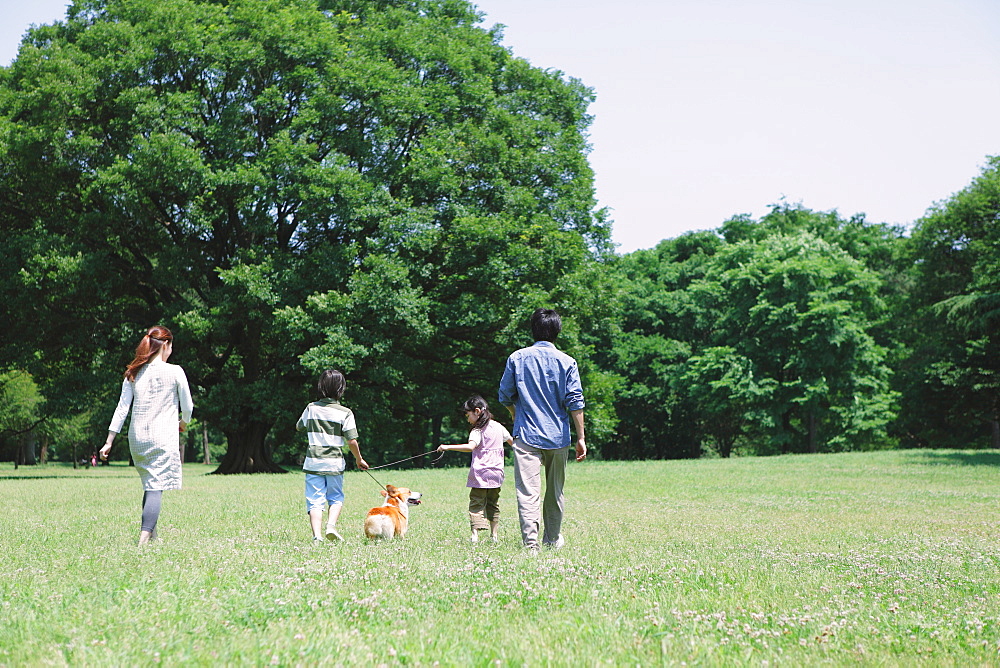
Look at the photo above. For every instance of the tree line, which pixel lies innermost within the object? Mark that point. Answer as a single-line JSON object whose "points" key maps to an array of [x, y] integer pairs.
{"points": [[382, 187]]}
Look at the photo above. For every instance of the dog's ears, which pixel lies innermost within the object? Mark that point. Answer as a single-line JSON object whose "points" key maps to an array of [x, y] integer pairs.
{"points": [[390, 489]]}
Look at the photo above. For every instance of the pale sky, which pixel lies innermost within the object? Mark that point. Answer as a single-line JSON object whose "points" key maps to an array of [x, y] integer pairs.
{"points": [[710, 108]]}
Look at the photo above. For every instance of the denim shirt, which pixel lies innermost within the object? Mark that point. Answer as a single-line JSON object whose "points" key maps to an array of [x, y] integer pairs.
{"points": [[543, 385]]}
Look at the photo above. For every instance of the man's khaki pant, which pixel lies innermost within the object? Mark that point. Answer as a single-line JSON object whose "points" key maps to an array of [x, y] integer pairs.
{"points": [[528, 464]]}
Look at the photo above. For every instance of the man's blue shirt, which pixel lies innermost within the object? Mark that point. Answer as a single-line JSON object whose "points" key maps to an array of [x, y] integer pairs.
{"points": [[543, 385]]}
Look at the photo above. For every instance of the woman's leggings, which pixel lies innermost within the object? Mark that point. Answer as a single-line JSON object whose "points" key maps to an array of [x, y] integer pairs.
{"points": [[151, 500]]}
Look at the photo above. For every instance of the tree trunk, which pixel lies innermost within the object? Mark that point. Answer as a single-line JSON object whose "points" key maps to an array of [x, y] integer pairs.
{"points": [[246, 452], [786, 424], [204, 442], [813, 429], [28, 449], [726, 445], [995, 425], [45, 450]]}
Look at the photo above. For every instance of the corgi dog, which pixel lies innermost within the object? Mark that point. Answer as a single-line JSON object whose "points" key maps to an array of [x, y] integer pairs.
{"points": [[390, 520]]}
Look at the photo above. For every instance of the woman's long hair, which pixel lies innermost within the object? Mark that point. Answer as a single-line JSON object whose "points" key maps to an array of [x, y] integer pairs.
{"points": [[149, 347], [474, 402]]}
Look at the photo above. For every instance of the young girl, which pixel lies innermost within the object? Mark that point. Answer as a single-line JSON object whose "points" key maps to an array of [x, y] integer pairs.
{"points": [[329, 426], [486, 472]]}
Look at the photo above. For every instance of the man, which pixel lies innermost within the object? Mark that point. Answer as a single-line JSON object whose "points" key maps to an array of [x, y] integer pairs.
{"points": [[541, 389]]}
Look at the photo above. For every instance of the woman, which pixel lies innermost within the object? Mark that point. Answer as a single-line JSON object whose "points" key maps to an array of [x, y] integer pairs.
{"points": [[153, 389]]}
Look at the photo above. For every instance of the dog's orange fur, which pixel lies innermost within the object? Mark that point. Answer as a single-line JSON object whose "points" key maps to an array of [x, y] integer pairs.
{"points": [[394, 510]]}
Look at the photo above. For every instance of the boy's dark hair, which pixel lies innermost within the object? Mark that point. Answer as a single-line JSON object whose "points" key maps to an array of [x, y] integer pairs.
{"points": [[474, 402], [331, 384], [545, 324]]}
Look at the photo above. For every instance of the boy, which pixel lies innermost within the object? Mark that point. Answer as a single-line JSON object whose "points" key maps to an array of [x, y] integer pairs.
{"points": [[329, 426]]}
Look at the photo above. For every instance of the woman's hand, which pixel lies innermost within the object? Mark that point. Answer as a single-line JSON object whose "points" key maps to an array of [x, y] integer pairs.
{"points": [[182, 426], [362, 464], [107, 444]]}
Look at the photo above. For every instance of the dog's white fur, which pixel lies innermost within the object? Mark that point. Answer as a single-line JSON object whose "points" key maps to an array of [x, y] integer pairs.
{"points": [[392, 518]]}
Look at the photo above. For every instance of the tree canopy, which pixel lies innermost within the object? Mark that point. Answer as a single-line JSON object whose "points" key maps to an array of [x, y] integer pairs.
{"points": [[765, 331], [382, 187], [291, 184], [949, 321]]}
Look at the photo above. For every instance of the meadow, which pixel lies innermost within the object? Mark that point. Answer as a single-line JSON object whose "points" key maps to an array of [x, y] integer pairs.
{"points": [[875, 559]]}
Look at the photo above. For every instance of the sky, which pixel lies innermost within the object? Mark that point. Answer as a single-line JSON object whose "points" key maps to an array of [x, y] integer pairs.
{"points": [[707, 109]]}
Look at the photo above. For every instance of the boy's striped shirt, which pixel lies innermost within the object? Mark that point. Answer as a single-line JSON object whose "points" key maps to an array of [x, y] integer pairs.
{"points": [[329, 426]]}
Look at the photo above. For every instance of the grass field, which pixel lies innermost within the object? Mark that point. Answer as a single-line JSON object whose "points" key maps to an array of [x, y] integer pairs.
{"points": [[889, 558]]}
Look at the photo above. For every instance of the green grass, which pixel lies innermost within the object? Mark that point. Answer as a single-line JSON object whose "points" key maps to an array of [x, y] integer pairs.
{"points": [[889, 558]]}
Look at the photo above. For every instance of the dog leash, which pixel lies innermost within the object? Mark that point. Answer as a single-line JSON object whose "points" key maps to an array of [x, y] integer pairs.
{"points": [[386, 487], [433, 461]]}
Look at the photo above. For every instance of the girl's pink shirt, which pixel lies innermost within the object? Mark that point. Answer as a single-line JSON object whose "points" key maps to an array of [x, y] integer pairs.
{"points": [[486, 470]]}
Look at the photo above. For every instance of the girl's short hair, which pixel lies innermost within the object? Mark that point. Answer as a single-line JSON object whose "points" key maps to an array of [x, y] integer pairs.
{"points": [[331, 384], [474, 402]]}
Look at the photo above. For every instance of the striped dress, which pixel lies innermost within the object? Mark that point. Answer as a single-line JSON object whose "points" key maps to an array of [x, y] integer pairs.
{"points": [[328, 426], [486, 471], [154, 397]]}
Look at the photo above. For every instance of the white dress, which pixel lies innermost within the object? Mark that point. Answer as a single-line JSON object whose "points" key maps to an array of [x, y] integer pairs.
{"points": [[153, 436]]}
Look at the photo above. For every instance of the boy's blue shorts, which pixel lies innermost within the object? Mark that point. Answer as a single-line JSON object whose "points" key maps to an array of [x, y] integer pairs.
{"points": [[323, 490]]}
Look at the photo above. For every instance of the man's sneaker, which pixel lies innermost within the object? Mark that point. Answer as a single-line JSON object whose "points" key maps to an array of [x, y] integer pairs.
{"points": [[331, 534], [558, 544]]}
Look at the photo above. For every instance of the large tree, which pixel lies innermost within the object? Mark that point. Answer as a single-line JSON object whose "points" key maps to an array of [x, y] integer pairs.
{"points": [[761, 335], [21, 413], [802, 310], [951, 320], [376, 185], [664, 318]]}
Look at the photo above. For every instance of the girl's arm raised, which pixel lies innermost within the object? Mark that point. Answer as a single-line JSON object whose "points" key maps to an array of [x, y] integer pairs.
{"points": [[475, 438], [458, 447]]}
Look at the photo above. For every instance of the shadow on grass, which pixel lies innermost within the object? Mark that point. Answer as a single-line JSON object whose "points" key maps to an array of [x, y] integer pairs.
{"points": [[966, 458], [62, 477]]}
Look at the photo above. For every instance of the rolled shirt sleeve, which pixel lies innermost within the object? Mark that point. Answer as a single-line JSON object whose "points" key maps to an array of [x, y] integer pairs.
{"points": [[508, 389], [574, 389]]}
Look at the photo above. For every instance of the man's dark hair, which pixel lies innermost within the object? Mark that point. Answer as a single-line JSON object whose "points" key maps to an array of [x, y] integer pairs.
{"points": [[331, 384], [545, 324]]}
